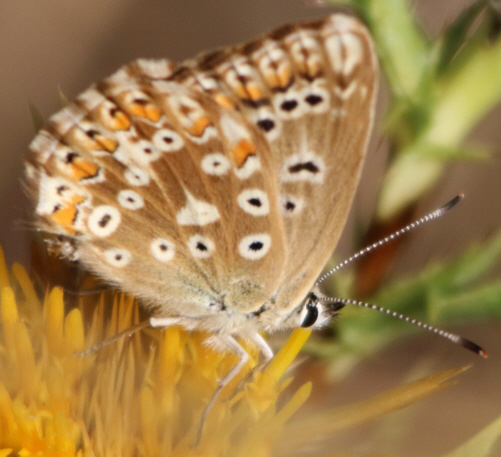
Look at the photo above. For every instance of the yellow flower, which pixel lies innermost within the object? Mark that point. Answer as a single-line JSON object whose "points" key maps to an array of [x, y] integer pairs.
{"points": [[144, 395]]}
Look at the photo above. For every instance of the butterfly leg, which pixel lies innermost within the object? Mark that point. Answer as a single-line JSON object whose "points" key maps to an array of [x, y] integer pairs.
{"points": [[265, 349], [163, 321], [267, 353], [129, 331], [243, 358]]}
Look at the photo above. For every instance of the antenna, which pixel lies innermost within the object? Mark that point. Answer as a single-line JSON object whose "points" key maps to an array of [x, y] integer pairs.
{"points": [[338, 303], [429, 217]]}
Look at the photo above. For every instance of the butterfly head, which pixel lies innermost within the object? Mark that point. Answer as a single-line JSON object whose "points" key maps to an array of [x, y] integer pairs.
{"points": [[312, 312]]}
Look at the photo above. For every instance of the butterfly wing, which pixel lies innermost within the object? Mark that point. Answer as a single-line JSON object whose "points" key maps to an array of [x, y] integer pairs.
{"points": [[222, 183], [163, 192], [311, 90]]}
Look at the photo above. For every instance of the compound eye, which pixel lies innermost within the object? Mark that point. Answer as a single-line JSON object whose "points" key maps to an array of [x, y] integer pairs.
{"points": [[310, 315]]}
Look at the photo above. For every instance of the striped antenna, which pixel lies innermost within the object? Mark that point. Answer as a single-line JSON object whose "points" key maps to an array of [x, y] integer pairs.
{"points": [[338, 303], [429, 217]]}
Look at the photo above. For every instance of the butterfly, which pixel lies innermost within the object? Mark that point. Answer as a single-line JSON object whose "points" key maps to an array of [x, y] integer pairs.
{"points": [[215, 189]]}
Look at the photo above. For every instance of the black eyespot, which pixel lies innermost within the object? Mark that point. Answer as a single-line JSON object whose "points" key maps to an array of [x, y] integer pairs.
{"points": [[290, 206], [61, 189], [255, 202], [71, 156], [202, 247], [163, 247], [167, 139], [266, 124], [289, 105], [118, 257], [103, 222], [311, 315], [313, 99], [256, 246], [308, 166]]}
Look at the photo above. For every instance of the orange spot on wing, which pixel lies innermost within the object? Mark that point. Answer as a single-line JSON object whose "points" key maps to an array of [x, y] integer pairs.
{"points": [[313, 69], [255, 93], [250, 91], [199, 126], [121, 121], [279, 79], [84, 169], [65, 217], [242, 151], [76, 199], [225, 101], [284, 77], [241, 91], [107, 143], [152, 113], [148, 110], [96, 142]]}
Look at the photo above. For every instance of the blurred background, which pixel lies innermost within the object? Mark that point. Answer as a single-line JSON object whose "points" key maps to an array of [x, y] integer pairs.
{"points": [[53, 45]]}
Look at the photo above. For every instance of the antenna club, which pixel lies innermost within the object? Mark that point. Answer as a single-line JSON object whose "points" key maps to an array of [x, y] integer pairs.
{"points": [[451, 204], [467, 344]]}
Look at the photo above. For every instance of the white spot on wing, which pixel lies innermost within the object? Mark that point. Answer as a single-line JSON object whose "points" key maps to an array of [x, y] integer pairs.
{"points": [[53, 191], [291, 205], [254, 201], [103, 220], [215, 164], [254, 247], [144, 152], [121, 81], [234, 131], [117, 257], [289, 105], [67, 118], [200, 246], [317, 99], [136, 176], [43, 145], [305, 166], [163, 250], [130, 199], [251, 165], [155, 68], [196, 212], [345, 51], [91, 98], [166, 140]]}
